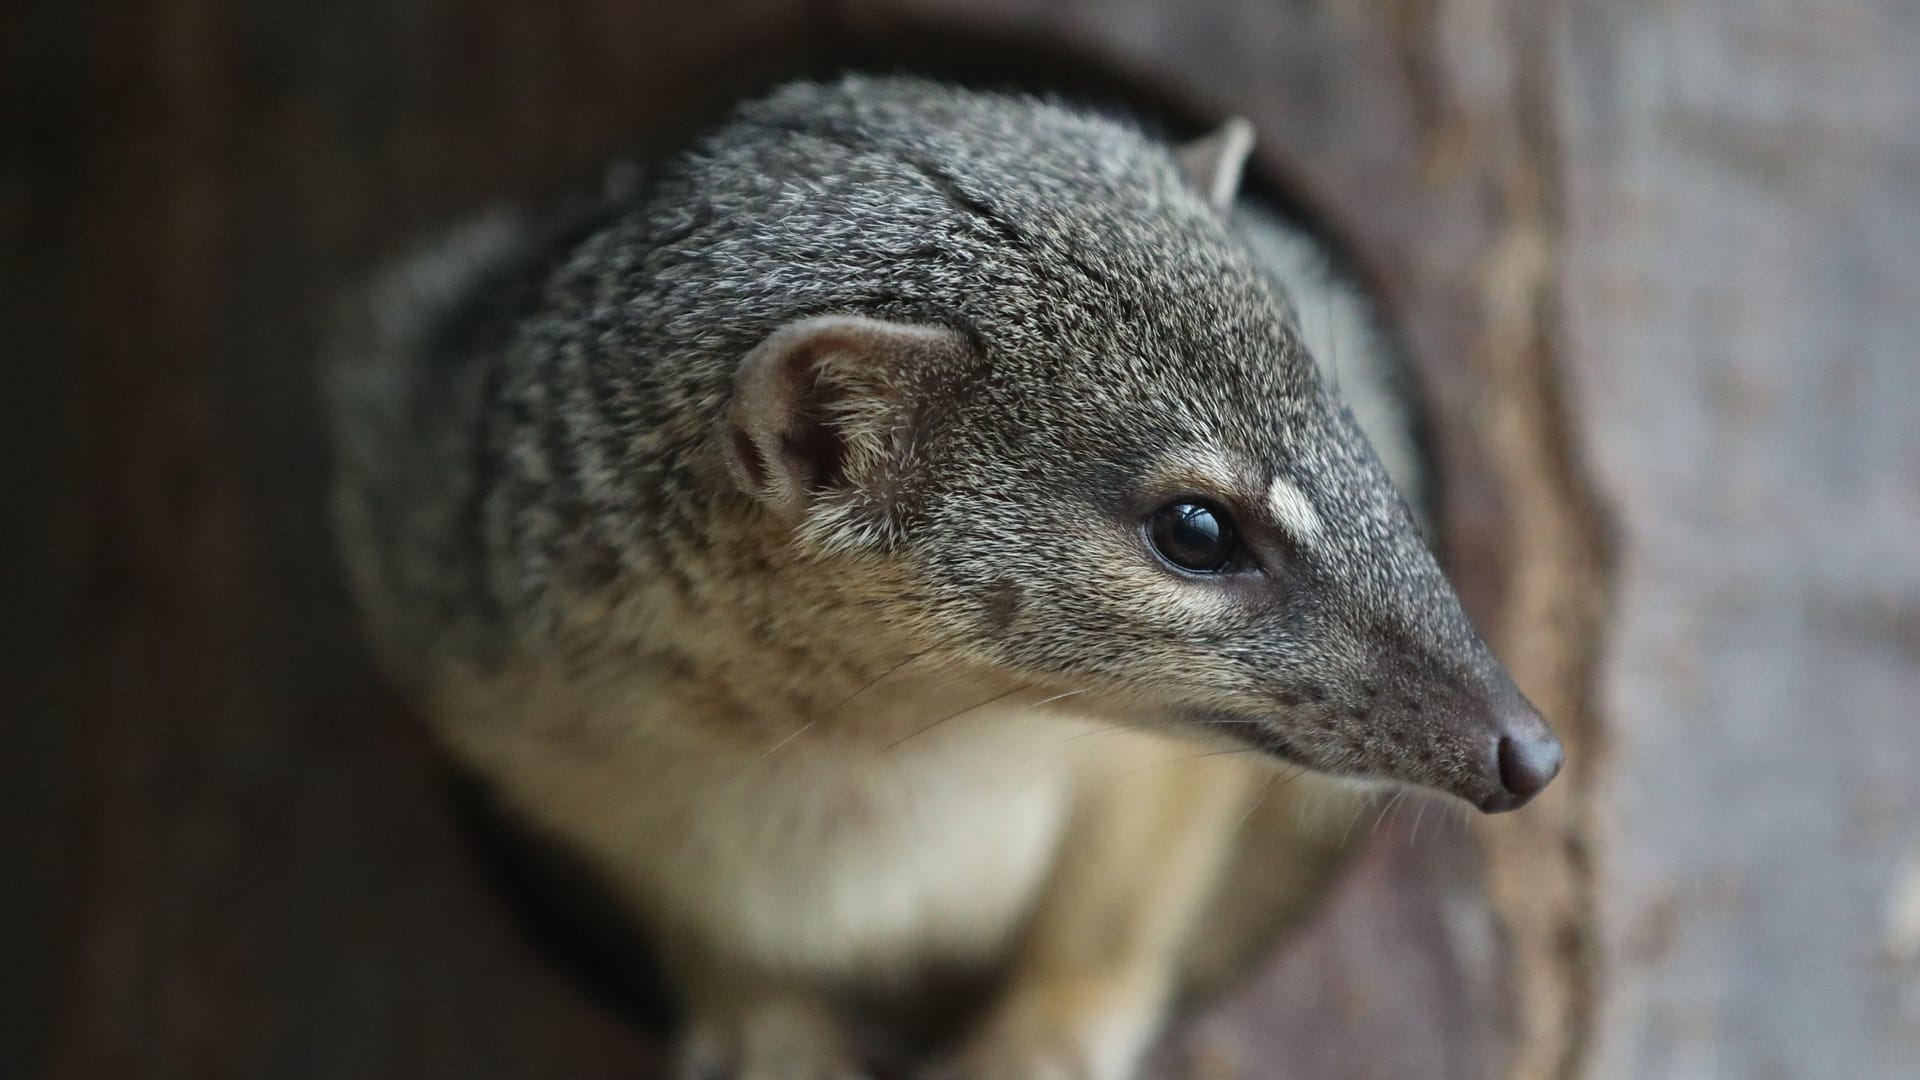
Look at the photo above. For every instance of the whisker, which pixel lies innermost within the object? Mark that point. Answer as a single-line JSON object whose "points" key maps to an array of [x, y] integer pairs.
{"points": [[1298, 772], [1388, 808], [844, 702], [1360, 807], [1179, 761], [978, 705], [1146, 725], [1138, 725], [1259, 801], [1103, 729], [876, 680], [796, 733], [1057, 697], [1422, 812]]}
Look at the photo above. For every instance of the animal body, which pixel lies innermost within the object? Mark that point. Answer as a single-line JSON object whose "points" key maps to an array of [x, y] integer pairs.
{"points": [[903, 536]]}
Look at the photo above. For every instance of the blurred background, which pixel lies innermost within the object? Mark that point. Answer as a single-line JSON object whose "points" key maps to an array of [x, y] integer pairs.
{"points": [[1658, 266]]}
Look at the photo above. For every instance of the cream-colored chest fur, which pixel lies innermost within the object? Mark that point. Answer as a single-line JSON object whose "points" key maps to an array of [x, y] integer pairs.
{"points": [[815, 857]]}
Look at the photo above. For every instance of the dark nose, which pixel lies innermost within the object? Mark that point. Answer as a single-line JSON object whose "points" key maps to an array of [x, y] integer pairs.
{"points": [[1528, 754]]}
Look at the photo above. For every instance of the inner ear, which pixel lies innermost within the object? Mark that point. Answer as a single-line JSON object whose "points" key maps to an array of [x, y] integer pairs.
{"points": [[823, 407], [1217, 162]]}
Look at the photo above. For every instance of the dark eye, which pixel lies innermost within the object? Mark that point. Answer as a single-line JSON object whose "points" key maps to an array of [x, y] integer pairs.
{"points": [[1194, 536]]}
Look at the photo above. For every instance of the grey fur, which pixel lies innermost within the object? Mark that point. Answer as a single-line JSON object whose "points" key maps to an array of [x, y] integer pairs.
{"points": [[549, 428], [1340, 329]]}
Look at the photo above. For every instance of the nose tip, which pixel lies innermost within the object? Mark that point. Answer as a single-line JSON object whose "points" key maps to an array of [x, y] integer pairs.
{"points": [[1529, 757]]}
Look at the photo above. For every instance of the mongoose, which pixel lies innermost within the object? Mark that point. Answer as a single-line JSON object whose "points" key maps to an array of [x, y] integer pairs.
{"points": [[904, 534]]}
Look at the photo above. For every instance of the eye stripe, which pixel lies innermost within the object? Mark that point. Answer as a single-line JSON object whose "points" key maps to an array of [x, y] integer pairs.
{"points": [[1292, 511]]}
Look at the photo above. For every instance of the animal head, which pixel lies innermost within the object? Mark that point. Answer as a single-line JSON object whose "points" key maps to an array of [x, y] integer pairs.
{"points": [[1016, 350]]}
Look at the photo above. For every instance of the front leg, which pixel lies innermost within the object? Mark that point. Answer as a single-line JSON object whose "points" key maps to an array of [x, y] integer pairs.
{"points": [[1150, 834], [743, 1028]]}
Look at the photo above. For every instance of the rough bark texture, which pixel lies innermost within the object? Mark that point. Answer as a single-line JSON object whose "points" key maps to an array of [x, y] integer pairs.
{"points": [[1672, 245]]}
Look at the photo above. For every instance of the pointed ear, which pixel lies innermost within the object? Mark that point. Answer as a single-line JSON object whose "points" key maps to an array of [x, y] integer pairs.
{"points": [[823, 414], [1216, 162]]}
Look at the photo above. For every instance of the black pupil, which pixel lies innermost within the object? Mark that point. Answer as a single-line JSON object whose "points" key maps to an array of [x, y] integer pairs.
{"points": [[1193, 536]]}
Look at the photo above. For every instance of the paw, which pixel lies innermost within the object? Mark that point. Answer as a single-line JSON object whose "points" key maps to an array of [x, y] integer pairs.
{"points": [[1083, 1030], [770, 1040]]}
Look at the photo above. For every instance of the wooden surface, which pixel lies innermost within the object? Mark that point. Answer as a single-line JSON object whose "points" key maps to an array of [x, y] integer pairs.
{"points": [[1663, 253], [1743, 266]]}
